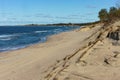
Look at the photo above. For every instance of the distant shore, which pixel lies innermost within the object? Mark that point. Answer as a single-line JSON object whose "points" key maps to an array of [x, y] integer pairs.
{"points": [[58, 24]]}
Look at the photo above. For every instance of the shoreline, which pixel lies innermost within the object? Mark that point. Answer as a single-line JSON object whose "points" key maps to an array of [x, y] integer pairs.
{"points": [[38, 43], [36, 61]]}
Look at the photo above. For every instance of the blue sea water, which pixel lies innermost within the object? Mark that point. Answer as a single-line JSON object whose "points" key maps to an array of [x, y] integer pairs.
{"points": [[16, 37]]}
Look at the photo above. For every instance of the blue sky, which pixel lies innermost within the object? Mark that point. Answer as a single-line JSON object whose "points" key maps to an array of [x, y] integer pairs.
{"points": [[14, 12]]}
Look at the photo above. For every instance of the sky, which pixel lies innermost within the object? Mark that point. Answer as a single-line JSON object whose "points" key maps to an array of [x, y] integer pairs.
{"points": [[15, 12]]}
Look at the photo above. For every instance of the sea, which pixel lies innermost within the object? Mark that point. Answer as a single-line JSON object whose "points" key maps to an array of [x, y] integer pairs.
{"points": [[17, 37]]}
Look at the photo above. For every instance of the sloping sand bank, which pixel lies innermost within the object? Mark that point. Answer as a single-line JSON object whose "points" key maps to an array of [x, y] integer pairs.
{"points": [[75, 55]]}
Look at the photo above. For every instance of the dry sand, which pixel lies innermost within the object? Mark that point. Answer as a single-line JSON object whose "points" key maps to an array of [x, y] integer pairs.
{"points": [[84, 54]]}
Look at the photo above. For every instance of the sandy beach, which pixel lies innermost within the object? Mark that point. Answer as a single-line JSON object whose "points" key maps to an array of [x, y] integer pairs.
{"points": [[83, 54]]}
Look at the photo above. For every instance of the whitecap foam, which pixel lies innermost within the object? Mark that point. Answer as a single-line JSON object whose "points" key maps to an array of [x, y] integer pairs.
{"points": [[22, 33], [41, 31], [5, 39], [57, 30], [11, 36], [11, 48], [4, 36]]}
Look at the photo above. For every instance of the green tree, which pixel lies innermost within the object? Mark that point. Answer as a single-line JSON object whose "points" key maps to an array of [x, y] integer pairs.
{"points": [[111, 16], [113, 13], [118, 13], [103, 15], [118, 8]]}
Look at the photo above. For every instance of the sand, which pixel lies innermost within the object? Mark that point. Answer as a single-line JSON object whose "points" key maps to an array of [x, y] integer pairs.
{"points": [[73, 55]]}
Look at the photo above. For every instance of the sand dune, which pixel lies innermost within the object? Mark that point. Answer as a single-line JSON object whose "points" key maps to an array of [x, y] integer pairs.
{"points": [[76, 55]]}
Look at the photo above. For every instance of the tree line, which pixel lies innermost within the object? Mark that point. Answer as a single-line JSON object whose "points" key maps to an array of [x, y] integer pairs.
{"points": [[109, 16]]}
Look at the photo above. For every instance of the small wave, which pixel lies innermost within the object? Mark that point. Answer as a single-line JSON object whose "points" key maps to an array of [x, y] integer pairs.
{"points": [[43, 39], [10, 36], [40, 31], [5, 39], [4, 36], [23, 33], [14, 34], [57, 30], [11, 48]]}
